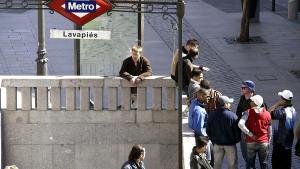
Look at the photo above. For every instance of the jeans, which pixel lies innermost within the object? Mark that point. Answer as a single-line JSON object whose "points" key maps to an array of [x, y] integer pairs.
{"points": [[263, 151], [230, 152], [243, 146]]}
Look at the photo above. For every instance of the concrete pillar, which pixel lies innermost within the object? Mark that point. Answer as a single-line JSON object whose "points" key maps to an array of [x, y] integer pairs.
{"points": [[292, 9], [126, 98], [141, 98], [171, 98], [26, 98], [55, 98], [98, 102], [42, 98], [112, 98], [11, 98], [84, 98], [70, 98], [157, 98]]}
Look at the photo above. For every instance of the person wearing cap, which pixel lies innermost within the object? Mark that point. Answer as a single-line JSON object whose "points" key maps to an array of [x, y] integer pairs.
{"points": [[198, 158], [285, 113], [247, 91], [256, 124], [224, 133], [197, 119]]}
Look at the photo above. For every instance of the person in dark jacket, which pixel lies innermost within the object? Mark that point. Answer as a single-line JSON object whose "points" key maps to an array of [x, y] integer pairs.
{"points": [[283, 138], [135, 68], [187, 68], [198, 158], [224, 133], [191, 43], [135, 158], [297, 137]]}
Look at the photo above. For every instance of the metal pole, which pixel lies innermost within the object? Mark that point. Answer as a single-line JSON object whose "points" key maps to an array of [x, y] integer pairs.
{"points": [[140, 25], [42, 58], [273, 5], [180, 14], [77, 53]]}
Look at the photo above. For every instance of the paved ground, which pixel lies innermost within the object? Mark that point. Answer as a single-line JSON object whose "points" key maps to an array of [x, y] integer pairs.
{"points": [[268, 64]]}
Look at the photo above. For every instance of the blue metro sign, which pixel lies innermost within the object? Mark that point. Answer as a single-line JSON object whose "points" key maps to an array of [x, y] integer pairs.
{"points": [[80, 6], [80, 11]]}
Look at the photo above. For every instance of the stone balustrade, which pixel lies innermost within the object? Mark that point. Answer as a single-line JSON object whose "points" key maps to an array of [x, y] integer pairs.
{"points": [[50, 87], [56, 126]]}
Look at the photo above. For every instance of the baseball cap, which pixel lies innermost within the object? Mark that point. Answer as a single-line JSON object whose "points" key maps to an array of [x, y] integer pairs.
{"points": [[249, 84], [258, 100], [224, 99], [286, 94]]}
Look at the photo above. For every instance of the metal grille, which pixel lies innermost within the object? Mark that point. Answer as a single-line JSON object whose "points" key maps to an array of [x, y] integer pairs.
{"points": [[296, 73]]}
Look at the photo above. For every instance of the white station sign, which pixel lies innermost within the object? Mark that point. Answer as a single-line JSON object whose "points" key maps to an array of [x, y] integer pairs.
{"points": [[80, 34]]}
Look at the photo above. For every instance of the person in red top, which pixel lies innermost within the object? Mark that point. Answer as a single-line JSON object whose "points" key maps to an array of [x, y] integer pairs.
{"points": [[256, 124]]}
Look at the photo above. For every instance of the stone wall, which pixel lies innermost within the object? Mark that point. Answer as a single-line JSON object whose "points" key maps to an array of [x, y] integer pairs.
{"points": [[51, 136]]}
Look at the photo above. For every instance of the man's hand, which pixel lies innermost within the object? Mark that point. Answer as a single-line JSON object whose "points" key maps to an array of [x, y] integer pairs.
{"points": [[254, 137], [138, 80], [205, 69], [132, 81]]}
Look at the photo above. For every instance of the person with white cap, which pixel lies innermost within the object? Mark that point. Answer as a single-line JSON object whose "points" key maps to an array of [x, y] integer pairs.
{"points": [[247, 91], [256, 124], [283, 111], [224, 133]]}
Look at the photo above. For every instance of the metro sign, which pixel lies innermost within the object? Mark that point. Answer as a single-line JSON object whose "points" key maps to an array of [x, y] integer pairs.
{"points": [[80, 11]]}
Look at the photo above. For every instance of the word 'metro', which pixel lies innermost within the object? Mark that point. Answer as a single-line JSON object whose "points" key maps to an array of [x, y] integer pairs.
{"points": [[80, 6]]}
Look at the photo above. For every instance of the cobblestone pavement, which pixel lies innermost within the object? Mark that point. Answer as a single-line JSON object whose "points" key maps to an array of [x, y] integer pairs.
{"points": [[231, 6], [212, 52]]}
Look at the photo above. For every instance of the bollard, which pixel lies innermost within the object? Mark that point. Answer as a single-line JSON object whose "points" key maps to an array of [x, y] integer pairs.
{"points": [[256, 17], [292, 9]]}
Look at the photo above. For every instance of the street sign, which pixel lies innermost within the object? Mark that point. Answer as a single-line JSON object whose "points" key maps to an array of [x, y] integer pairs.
{"points": [[80, 11], [80, 34]]}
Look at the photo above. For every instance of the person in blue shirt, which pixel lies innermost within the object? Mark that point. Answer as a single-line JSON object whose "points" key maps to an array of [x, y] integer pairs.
{"points": [[198, 119], [283, 136], [135, 158], [197, 113]]}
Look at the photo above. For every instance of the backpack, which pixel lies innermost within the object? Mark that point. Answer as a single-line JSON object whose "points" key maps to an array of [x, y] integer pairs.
{"points": [[213, 101], [175, 58]]}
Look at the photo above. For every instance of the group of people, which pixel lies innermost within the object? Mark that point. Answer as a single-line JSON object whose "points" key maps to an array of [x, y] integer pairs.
{"points": [[251, 125], [217, 128]]}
